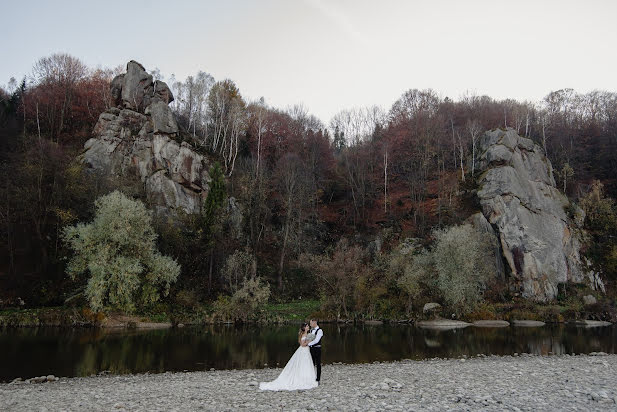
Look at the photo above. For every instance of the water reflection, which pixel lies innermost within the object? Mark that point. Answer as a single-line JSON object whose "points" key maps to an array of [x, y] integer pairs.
{"points": [[80, 352]]}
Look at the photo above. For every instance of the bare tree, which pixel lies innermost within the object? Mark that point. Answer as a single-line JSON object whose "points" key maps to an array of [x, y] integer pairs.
{"points": [[474, 129]]}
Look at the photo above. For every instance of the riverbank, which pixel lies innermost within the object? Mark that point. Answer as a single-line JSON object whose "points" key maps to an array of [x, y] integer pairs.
{"points": [[539, 383], [165, 315], [162, 316]]}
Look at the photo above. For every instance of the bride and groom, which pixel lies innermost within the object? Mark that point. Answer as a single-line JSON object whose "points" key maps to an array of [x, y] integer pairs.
{"points": [[303, 371]]}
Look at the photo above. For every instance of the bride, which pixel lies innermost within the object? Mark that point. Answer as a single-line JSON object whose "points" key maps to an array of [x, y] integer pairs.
{"points": [[299, 373]]}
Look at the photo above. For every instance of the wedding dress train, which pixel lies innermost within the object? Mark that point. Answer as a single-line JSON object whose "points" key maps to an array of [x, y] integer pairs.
{"points": [[299, 373]]}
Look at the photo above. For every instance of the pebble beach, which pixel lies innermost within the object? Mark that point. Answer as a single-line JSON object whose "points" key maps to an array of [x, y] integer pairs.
{"points": [[515, 383]]}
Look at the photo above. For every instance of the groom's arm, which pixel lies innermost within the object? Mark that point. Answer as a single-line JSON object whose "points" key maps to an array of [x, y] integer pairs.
{"points": [[317, 338]]}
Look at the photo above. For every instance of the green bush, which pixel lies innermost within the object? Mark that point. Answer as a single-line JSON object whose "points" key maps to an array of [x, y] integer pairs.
{"points": [[247, 303], [457, 268], [117, 249], [464, 262]]}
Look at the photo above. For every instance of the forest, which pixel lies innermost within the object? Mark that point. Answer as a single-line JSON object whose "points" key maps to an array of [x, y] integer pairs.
{"points": [[298, 209]]}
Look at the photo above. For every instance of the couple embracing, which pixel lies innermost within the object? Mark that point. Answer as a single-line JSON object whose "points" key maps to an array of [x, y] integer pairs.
{"points": [[303, 371]]}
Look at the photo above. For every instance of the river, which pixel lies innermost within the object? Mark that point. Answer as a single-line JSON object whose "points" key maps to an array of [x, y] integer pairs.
{"points": [[28, 352]]}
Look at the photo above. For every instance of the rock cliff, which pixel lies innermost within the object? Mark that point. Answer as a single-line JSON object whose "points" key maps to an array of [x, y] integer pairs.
{"points": [[520, 201], [136, 137]]}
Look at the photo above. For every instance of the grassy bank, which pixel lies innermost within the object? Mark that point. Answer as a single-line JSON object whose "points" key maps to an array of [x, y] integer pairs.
{"points": [[161, 314], [288, 312]]}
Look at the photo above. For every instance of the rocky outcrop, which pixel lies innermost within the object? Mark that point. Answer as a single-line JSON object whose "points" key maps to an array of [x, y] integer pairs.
{"points": [[137, 137], [520, 201]]}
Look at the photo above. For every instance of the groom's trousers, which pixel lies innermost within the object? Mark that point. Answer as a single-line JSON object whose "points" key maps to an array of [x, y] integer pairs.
{"points": [[316, 355]]}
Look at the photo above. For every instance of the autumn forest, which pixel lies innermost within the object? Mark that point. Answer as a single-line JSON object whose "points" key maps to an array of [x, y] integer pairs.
{"points": [[298, 207]]}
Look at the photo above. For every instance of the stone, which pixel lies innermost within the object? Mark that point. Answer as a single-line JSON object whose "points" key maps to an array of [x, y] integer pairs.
{"points": [[431, 307], [116, 90], [442, 324], [137, 87], [591, 323], [163, 120], [136, 142], [589, 300], [162, 92], [38, 379], [523, 206], [491, 323], [528, 323], [478, 221]]}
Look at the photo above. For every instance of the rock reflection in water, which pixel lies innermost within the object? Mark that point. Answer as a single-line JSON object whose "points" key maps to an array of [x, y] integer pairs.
{"points": [[80, 352]]}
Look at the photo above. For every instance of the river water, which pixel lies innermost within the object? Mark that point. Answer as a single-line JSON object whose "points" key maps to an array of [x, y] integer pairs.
{"points": [[29, 352]]}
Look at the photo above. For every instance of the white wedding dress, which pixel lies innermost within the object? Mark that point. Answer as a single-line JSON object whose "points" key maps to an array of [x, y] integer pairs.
{"points": [[299, 373]]}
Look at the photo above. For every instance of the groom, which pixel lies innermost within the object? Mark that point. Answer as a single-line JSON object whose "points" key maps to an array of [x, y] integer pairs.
{"points": [[315, 346]]}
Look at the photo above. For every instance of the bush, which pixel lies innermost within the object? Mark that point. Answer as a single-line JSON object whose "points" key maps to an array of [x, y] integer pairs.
{"points": [[118, 251], [458, 268], [464, 262], [338, 274], [239, 267], [246, 303]]}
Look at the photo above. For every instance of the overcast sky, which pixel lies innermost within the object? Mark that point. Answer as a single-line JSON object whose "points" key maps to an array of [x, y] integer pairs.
{"points": [[331, 55]]}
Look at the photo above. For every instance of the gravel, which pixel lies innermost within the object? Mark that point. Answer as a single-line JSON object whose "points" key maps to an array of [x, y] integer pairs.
{"points": [[516, 383]]}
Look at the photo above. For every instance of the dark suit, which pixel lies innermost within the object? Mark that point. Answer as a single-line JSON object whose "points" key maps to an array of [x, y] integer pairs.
{"points": [[316, 351]]}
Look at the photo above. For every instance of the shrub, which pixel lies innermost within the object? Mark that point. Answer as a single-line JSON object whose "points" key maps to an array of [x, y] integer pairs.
{"points": [[117, 249], [458, 268], [464, 262], [245, 303], [239, 267], [338, 274]]}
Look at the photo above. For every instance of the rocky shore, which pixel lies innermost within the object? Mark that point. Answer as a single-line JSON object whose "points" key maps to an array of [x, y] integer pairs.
{"points": [[488, 383]]}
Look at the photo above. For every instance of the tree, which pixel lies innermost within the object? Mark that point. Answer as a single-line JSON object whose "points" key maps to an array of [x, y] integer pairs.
{"points": [[463, 258], [60, 74], [565, 173], [239, 267], [601, 224], [474, 129], [292, 181], [117, 249], [209, 219], [339, 272], [229, 122], [458, 266]]}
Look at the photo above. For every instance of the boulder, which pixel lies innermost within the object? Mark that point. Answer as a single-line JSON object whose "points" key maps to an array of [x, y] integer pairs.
{"points": [[589, 300], [443, 324], [491, 323], [137, 140], [163, 120], [521, 203], [116, 90], [528, 323], [431, 307], [480, 223], [162, 92], [137, 87], [591, 323]]}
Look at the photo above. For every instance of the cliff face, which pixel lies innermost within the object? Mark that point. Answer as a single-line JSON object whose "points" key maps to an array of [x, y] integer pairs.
{"points": [[136, 138], [519, 199]]}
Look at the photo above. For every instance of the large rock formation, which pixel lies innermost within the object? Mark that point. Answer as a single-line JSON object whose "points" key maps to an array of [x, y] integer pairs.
{"points": [[137, 138], [519, 199]]}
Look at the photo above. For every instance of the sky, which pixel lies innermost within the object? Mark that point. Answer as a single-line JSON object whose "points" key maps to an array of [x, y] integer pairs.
{"points": [[331, 55]]}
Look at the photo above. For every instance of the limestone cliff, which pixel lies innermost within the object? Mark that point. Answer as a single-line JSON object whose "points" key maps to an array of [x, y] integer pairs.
{"points": [[136, 137], [519, 199]]}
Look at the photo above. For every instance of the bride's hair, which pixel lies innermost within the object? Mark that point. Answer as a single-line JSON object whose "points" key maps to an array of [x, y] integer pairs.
{"points": [[304, 325]]}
